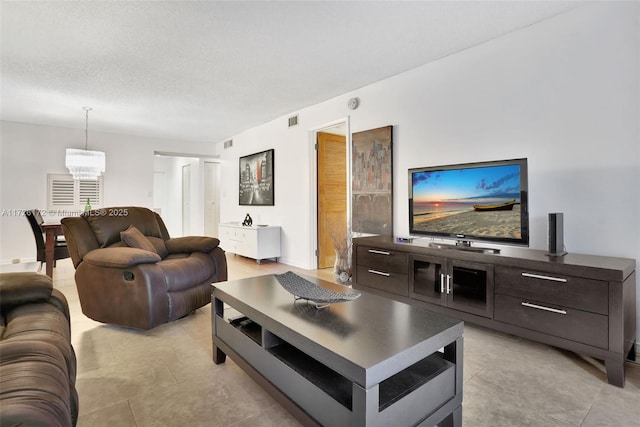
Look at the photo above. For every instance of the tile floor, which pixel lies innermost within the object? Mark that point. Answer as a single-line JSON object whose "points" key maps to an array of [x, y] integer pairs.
{"points": [[166, 377]]}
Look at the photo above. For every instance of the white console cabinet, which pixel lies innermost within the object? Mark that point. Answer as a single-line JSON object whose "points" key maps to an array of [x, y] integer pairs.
{"points": [[257, 242]]}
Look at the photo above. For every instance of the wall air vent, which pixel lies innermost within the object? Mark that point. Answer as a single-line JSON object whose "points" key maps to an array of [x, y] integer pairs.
{"points": [[293, 121], [228, 144]]}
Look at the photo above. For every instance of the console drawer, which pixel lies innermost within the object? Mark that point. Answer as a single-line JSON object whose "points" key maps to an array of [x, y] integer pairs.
{"points": [[384, 280], [576, 325], [567, 291], [383, 259]]}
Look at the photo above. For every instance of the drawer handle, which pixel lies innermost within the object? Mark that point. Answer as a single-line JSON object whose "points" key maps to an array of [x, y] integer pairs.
{"points": [[380, 273], [373, 251], [539, 276], [442, 281], [541, 307]]}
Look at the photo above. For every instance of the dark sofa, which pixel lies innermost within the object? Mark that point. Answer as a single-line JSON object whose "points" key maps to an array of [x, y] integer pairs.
{"points": [[129, 271], [37, 361]]}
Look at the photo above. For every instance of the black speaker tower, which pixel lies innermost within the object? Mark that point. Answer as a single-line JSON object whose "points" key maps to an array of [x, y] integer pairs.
{"points": [[556, 235]]}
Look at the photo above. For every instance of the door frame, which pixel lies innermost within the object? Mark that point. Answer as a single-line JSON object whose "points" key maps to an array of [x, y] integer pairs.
{"points": [[186, 198], [216, 194], [313, 190]]}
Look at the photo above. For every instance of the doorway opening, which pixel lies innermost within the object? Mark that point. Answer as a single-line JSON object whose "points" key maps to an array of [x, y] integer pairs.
{"points": [[186, 193], [332, 201]]}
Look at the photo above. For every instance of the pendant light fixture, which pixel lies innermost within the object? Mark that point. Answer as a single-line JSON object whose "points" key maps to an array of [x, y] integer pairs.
{"points": [[85, 164]]}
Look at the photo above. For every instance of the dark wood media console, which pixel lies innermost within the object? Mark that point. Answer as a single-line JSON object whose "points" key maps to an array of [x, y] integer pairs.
{"points": [[582, 303]]}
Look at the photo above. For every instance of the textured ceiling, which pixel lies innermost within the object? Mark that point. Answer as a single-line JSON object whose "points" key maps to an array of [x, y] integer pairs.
{"points": [[205, 70]]}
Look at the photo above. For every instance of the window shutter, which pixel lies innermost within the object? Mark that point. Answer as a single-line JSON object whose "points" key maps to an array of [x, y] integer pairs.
{"points": [[61, 192], [91, 189], [66, 193]]}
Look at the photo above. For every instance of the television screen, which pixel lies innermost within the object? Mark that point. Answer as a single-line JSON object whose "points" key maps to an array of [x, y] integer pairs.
{"points": [[471, 202]]}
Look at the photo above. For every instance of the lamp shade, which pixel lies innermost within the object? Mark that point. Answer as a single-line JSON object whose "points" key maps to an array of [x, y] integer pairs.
{"points": [[85, 164]]}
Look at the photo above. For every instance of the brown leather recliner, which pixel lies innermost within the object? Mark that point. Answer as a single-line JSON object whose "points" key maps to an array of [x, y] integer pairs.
{"points": [[37, 360], [129, 271]]}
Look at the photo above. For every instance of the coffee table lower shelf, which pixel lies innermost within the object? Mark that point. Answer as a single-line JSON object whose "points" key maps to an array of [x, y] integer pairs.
{"points": [[424, 393]]}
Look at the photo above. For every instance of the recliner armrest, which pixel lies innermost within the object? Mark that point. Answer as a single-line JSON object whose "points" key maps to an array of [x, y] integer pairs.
{"points": [[24, 287], [120, 257], [190, 244]]}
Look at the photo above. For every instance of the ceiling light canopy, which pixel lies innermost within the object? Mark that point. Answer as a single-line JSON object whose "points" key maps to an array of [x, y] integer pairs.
{"points": [[85, 164]]}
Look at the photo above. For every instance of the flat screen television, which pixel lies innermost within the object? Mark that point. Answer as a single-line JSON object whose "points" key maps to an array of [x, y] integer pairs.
{"points": [[485, 201]]}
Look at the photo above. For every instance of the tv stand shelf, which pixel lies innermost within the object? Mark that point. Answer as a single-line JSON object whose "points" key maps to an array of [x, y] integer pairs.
{"points": [[582, 303], [464, 247]]}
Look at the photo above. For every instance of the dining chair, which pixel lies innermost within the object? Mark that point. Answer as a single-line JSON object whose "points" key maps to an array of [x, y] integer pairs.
{"points": [[60, 250]]}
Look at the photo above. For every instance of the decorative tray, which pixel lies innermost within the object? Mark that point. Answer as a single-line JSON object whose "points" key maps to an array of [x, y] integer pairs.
{"points": [[301, 288]]}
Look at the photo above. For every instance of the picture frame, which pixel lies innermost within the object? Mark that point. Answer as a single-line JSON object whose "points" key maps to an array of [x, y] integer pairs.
{"points": [[372, 181], [256, 179]]}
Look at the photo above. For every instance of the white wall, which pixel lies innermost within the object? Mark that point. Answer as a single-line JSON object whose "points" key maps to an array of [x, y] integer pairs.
{"points": [[29, 152], [563, 93]]}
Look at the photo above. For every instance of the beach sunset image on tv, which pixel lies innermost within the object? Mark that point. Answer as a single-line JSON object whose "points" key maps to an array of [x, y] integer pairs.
{"points": [[482, 201]]}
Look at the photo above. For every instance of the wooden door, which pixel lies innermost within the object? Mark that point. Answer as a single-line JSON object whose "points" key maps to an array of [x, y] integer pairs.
{"points": [[332, 194]]}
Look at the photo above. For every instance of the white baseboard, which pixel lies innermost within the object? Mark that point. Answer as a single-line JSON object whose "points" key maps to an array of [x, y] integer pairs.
{"points": [[24, 265]]}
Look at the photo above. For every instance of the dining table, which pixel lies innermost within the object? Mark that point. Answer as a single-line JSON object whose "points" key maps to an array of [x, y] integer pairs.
{"points": [[51, 230]]}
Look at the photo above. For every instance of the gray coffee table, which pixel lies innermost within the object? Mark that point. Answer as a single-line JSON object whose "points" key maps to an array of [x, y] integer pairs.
{"points": [[367, 362]]}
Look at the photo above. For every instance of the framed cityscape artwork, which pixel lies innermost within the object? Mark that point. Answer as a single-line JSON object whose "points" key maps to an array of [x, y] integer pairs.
{"points": [[372, 181], [256, 179]]}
